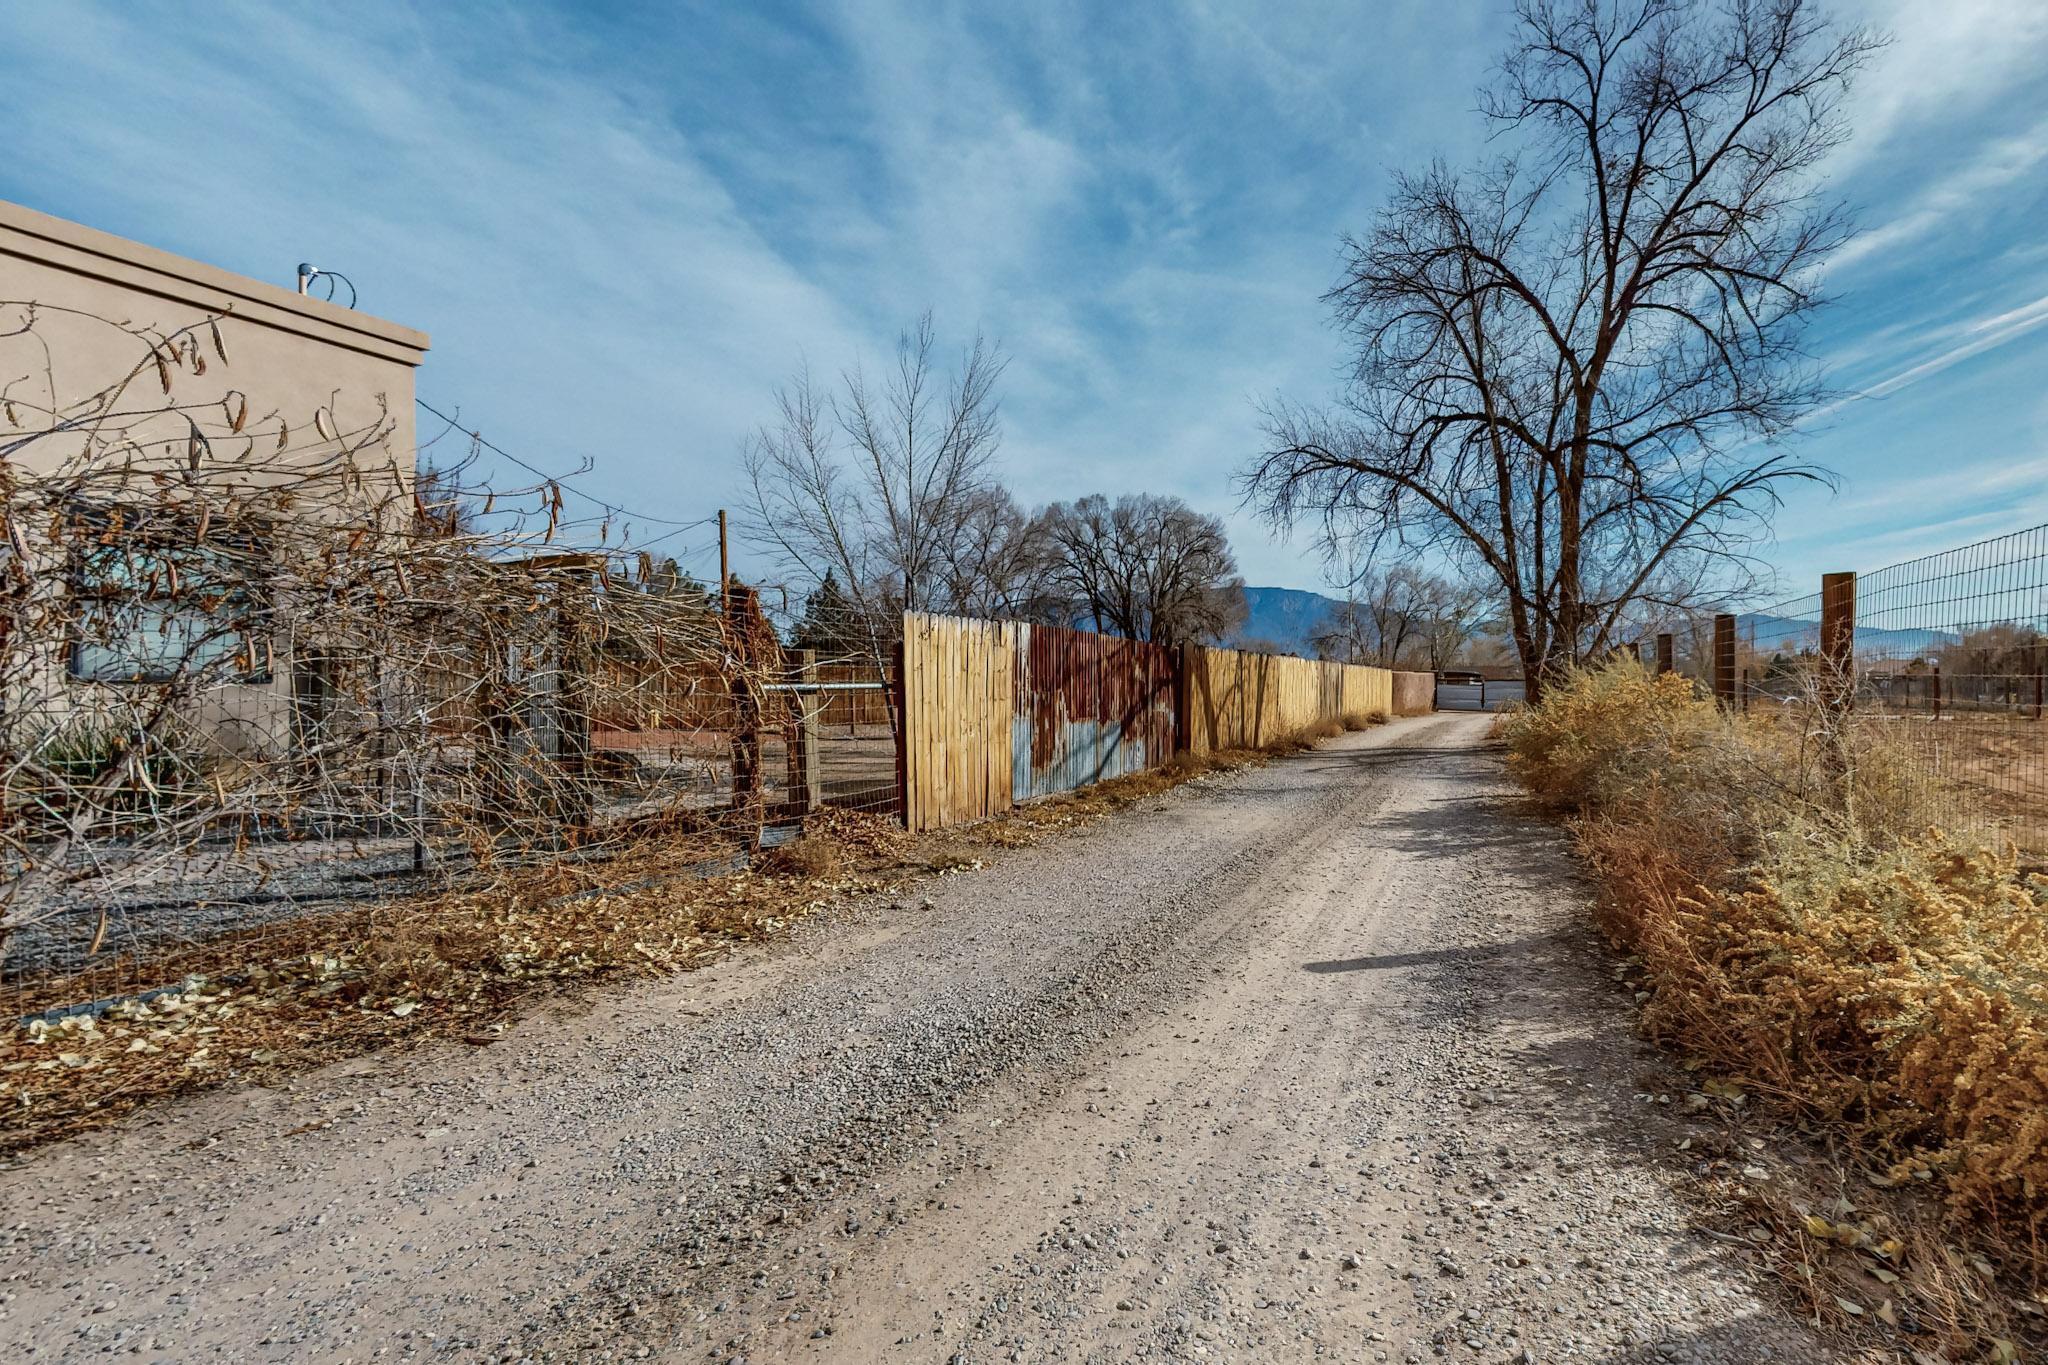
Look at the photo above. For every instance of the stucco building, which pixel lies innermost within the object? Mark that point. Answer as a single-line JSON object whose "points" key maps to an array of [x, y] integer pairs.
{"points": [[149, 392]]}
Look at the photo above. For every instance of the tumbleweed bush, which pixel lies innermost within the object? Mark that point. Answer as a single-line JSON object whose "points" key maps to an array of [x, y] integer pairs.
{"points": [[1801, 926]]}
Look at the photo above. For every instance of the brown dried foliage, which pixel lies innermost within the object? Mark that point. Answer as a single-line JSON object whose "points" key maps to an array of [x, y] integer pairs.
{"points": [[1799, 930], [453, 964]]}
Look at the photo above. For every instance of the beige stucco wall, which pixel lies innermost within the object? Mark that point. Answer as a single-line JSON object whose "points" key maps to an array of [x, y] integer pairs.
{"points": [[288, 355]]}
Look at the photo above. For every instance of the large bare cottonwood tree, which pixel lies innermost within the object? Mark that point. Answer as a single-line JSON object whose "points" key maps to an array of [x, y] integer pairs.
{"points": [[1575, 361]]}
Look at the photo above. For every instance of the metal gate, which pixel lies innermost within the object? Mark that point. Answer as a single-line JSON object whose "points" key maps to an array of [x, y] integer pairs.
{"points": [[1484, 695]]}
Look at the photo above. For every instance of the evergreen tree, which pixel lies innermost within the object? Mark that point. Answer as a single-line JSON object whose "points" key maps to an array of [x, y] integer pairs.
{"points": [[829, 624]]}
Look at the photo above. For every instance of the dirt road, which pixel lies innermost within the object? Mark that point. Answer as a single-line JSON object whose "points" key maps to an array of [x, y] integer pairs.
{"points": [[1314, 1060]]}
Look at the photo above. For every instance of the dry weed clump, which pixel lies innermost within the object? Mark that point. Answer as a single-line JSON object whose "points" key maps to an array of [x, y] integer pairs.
{"points": [[1904, 994], [1605, 734], [1792, 932], [808, 855]]}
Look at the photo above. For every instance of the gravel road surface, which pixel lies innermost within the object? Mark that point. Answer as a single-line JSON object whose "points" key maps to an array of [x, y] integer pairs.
{"points": [[1311, 1061]]}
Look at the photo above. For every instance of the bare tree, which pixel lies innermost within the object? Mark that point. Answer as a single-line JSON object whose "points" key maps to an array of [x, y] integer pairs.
{"points": [[1402, 617], [877, 483], [1001, 564], [1450, 614], [236, 636], [1573, 362], [1147, 567]]}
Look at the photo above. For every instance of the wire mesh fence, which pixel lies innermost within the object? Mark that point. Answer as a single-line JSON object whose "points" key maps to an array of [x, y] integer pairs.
{"points": [[1949, 667]]}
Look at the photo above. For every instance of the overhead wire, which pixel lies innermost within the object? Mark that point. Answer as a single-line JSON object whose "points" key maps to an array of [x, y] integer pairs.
{"points": [[612, 508]]}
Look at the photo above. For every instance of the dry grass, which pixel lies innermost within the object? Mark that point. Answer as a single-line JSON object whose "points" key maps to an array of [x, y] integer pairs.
{"points": [[1800, 931], [1985, 772]]}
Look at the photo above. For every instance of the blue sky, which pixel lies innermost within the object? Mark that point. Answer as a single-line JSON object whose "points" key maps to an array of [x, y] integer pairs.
{"points": [[622, 225]]}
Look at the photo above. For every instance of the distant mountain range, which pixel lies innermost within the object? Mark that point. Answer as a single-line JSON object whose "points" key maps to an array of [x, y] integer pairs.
{"points": [[1284, 619], [1288, 619], [1783, 635]]}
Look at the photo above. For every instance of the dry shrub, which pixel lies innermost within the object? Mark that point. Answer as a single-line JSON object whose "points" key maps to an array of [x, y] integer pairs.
{"points": [[1799, 926], [1903, 993], [1364, 721], [808, 855], [1604, 734]]}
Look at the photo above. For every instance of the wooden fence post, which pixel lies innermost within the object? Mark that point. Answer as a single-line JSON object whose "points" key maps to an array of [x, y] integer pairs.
{"points": [[1838, 638], [574, 698], [1724, 659], [1665, 652], [752, 648]]}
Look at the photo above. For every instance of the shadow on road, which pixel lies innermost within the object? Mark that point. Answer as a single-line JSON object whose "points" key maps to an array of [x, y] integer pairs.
{"points": [[1525, 964], [1435, 957]]}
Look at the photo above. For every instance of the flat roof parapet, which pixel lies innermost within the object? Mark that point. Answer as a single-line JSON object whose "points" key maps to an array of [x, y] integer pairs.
{"points": [[33, 236]]}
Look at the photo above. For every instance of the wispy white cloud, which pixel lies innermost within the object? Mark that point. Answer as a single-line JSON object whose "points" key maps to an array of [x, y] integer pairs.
{"points": [[623, 227], [1977, 337], [1948, 59], [591, 287], [1959, 195]]}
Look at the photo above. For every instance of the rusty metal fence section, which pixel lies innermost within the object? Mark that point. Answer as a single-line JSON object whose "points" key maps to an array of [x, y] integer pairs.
{"points": [[996, 713], [1087, 707]]}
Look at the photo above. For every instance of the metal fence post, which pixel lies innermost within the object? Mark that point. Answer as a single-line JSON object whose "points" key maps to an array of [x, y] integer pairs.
{"points": [[1724, 659]]}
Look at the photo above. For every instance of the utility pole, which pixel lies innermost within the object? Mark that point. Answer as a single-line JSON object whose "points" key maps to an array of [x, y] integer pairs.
{"points": [[724, 570]]}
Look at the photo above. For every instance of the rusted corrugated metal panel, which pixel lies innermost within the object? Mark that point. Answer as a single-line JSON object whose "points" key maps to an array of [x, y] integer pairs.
{"points": [[1088, 707]]}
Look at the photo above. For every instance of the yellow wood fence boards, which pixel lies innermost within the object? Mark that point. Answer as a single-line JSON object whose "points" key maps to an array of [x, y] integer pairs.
{"points": [[1414, 694], [1238, 700], [956, 719]]}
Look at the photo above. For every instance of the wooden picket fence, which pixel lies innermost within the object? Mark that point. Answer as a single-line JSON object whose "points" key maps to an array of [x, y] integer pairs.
{"points": [[957, 702], [1238, 700], [1000, 712]]}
